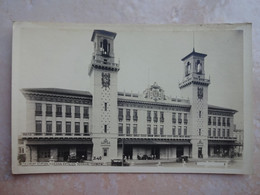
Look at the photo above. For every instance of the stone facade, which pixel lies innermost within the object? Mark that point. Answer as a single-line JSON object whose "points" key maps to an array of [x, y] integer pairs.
{"points": [[103, 124]]}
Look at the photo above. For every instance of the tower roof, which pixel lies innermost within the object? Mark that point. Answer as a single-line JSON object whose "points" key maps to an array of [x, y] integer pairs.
{"points": [[103, 32], [193, 53]]}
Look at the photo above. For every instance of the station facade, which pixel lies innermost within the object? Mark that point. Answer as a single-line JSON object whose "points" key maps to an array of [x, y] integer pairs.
{"points": [[103, 124]]}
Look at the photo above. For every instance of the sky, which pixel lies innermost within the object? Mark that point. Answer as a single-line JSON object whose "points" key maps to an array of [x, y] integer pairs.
{"points": [[59, 55]]}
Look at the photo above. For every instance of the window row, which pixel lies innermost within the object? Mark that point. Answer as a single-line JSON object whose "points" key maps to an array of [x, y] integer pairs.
{"points": [[179, 131], [217, 132], [50, 130], [154, 131], [180, 115], [155, 116], [59, 111], [128, 129], [128, 115], [217, 121]]}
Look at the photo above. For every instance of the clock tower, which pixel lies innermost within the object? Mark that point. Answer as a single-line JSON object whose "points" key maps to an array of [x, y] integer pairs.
{"points": [[195, 87], [103, 73]]}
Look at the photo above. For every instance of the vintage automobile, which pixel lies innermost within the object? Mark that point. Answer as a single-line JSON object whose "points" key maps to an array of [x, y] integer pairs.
{"points": [[118, 162], [182, 159]]}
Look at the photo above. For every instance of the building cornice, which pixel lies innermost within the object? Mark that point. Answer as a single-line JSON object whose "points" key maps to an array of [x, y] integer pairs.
{"points": [[154, 105]]}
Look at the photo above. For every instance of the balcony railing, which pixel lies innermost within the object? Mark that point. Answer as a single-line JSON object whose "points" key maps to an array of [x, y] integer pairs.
{"points": [[120, 117], [155, 119], [185, 121], [154, 136], [77, 115], [38, 113], [161, 120], [135, 118], [48, 113], [68, 114], [174, 120], [86, 116], [179, 121], [222, 138], [58, 114], [53, 134], [149, 119]]}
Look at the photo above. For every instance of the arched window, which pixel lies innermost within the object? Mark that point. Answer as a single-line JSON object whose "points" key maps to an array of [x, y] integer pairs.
{"points": [[188, 68], [199, 67]]}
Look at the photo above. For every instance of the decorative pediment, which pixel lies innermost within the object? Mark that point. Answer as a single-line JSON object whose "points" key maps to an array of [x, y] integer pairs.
{"points": [[154, 92]]}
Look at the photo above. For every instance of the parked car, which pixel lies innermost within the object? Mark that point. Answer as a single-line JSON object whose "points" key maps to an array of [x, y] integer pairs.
{"points": [[146, 157], [118, 162], [182, 159]]}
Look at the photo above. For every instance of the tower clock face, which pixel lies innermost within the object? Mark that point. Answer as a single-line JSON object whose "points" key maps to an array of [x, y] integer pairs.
{"points": [[105, 79]]}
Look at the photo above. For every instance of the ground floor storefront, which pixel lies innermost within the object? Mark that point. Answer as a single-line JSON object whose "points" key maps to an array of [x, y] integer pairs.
{"points": [[222, 149], [153, 149], [58, 151]]}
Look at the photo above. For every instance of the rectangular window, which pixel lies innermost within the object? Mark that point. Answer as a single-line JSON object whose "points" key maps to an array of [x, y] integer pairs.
{"points": [[214, 120], [161, 130], [38, 109], [209, 132], [68, 128], [105, 106], [68, 111], [58, 111], [135, 129], [174, 117], [48, 128], [228, 133], [105, 128], [179, 130], [174, 130], [86, 130], [199, 114], [135, 116], [179, 118], [48, 110], [185, 130], [224, 121], [128, 116], [148, 129], [149, 116], [209, 120], [155, 129], [128, 129], [155, 117], [214, 132], [105, 151], [120, 129], [185, 118], [199, 132], [161, 117], [85, 112], [218, 132], [219, 121], [38, 127], [223, 132], [120, 114], [58, 128], [77, 112], [77, 128], [228, 122]]}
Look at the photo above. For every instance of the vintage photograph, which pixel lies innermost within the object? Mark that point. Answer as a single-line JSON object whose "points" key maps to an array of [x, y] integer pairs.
{"points": [[131, 98]]}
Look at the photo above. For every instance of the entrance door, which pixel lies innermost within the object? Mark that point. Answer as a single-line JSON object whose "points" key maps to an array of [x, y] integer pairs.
{"points": [[200, 155], [156, 152], [128, 152], [179, 151]]}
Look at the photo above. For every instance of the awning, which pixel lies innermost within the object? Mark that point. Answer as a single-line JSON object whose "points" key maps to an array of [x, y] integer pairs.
{"points": [[153, 142], [223, 143], [59, 142]]}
